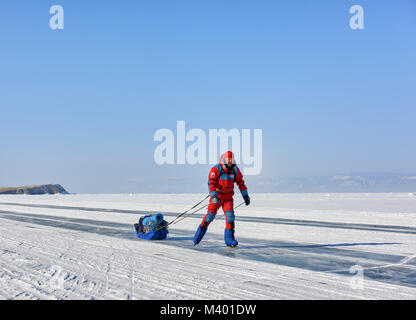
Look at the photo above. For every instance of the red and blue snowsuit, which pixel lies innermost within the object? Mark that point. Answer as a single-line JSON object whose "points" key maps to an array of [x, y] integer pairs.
{"points": [[221, 184]]}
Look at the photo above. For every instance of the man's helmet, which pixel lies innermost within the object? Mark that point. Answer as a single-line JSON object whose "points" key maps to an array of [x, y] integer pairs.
{"points": [[228, 160]]}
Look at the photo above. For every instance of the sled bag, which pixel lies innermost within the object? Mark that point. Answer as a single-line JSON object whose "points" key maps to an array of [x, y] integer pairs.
{"points": [[152, 227]]}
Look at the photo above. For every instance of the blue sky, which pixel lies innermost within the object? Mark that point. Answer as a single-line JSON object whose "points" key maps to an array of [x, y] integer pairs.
{"points": [[80, 106]]}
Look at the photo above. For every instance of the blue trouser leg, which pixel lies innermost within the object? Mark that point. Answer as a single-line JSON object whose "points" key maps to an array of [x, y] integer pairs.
{"points": [[209, 217], [202, 228], [229, 219], [230, 229]]}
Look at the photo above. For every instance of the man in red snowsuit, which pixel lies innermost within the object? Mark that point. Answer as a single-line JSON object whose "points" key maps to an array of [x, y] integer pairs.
{"points": [[221, 189]]}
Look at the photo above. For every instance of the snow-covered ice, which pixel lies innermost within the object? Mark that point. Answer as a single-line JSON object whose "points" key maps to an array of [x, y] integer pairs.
{"points": [[292, 246]]}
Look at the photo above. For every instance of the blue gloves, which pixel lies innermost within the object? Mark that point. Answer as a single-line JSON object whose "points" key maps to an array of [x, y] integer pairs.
{"points": [[247, 199], [214, 197]]}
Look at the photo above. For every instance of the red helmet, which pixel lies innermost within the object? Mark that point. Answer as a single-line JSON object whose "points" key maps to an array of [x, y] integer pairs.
{"points": [[227, 160]]}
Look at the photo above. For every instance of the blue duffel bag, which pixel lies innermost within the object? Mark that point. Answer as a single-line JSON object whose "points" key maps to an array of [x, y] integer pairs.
{"points": [[152, 227]]}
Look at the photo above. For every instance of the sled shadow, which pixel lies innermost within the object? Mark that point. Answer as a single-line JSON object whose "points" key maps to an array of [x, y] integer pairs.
{"points": [[173, 238]]}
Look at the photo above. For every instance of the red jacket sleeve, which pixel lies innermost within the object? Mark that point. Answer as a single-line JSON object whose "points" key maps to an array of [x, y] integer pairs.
{"points": [[213, 181], [240, 182]]}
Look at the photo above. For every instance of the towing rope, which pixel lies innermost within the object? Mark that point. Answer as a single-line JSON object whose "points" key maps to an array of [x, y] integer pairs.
{"points": [[184, 214], [189, 214]]}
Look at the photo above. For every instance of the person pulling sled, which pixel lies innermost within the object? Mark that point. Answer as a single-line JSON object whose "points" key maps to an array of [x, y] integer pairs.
{"points": [[221, 181]]}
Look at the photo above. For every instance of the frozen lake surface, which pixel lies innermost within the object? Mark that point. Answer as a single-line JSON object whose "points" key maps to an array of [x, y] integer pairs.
{"points": [[291, 246]]}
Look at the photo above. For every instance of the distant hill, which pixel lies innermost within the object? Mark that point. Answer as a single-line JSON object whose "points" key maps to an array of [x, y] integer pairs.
{"points": [[352, 182], [40, 189]]}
